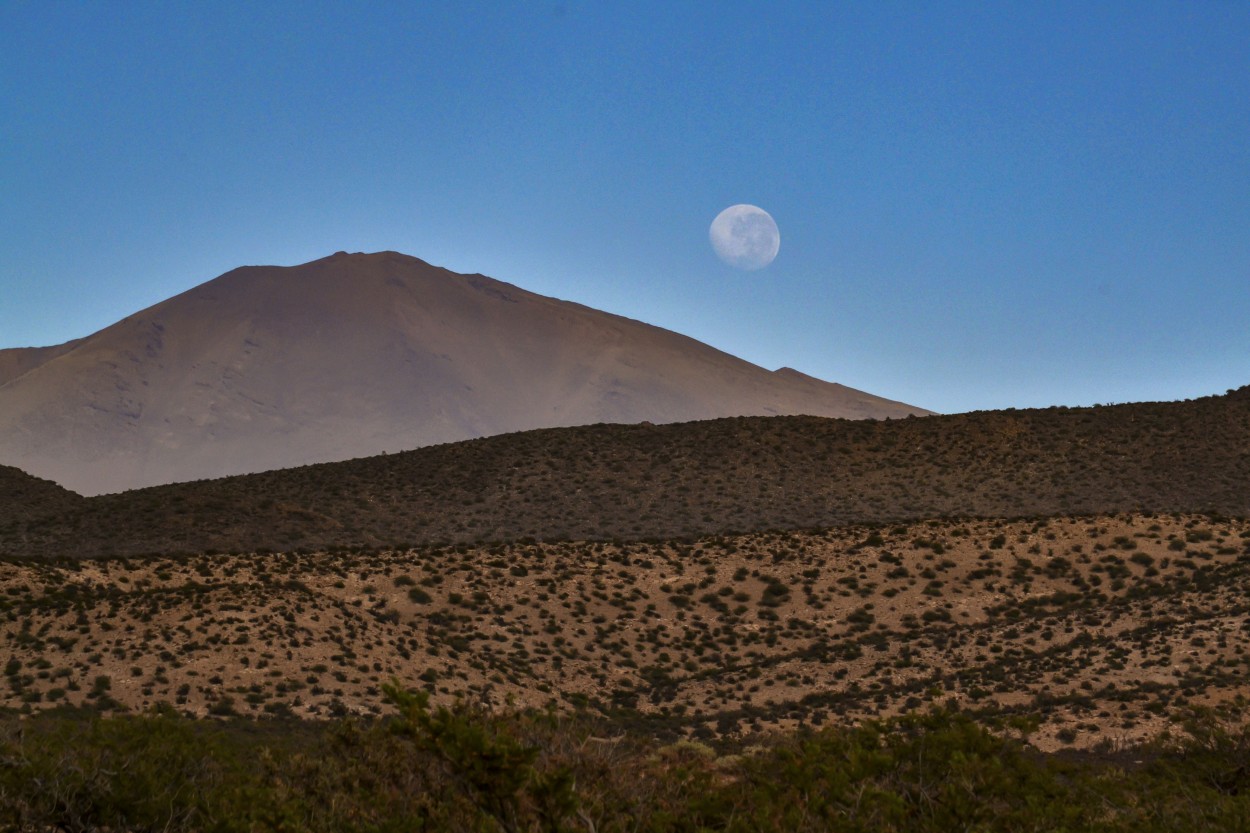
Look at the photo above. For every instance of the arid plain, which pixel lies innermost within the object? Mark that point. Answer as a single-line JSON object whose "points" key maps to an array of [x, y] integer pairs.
{"points": [[1083, 568], [1101, 627]]}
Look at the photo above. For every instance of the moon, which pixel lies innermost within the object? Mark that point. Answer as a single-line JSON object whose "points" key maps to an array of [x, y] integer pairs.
{"points": [[745, 237]]}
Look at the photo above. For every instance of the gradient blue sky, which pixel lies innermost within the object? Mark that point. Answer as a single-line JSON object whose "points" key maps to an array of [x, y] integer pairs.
{"points": [[981, 205]]}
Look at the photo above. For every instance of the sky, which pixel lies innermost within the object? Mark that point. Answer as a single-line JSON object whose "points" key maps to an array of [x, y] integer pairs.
{"points": [[981, 205]]}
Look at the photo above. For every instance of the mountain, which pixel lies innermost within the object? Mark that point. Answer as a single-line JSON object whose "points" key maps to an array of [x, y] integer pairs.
{"points": [[354, 355], [634, 482], [18, 360]]}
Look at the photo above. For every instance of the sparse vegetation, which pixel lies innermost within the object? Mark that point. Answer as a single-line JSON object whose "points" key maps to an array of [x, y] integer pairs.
{"points": [[635, 482], [700, 639], [461, 768], [595, 647]]}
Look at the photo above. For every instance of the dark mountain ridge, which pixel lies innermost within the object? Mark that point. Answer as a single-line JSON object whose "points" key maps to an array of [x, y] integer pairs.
{"points": [[24, 497], [691, 479]]}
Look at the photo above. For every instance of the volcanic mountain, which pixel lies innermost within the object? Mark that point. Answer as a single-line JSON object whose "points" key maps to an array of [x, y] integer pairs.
{"points": [[358, 354]]}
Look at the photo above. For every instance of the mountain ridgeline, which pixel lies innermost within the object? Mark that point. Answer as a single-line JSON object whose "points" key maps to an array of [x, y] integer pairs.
{"points": [[268, 367], [685, 480], [23, 497]]}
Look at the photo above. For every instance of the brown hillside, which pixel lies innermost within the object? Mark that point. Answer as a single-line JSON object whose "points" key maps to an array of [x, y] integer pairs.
{"points": [[686, 480], [15, 361], [1102, 628], [268, 367]]}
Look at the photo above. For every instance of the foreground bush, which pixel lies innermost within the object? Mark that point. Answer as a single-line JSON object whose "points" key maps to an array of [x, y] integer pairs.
{"points": [[462, 769]]}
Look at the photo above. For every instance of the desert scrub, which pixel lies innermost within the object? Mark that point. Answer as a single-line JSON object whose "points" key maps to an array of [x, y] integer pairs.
{"points": [[460, 768]]}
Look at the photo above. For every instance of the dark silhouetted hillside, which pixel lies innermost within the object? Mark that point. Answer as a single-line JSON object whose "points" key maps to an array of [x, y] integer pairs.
{"points": [[24, 498], [665, 481]]}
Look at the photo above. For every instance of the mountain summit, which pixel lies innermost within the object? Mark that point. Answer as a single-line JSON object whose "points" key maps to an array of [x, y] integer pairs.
{"points": [[354, 355]]}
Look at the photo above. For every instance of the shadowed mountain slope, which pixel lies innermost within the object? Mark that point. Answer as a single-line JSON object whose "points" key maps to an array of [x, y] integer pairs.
{"points": [[683, 480], [353, 355], [26, 498]]}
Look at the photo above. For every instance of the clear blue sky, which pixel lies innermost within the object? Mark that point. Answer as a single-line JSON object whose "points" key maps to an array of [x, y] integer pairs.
{"points": [[981, 205]]}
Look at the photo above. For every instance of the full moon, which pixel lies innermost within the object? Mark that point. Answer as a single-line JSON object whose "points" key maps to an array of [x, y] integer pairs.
{"points": [[745, 237]]}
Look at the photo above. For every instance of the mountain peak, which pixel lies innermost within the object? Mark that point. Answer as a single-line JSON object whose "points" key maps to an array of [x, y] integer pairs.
{"points": [[355, 354]]}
